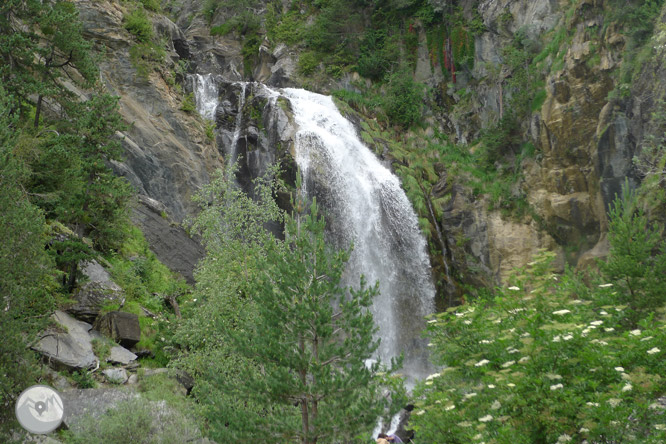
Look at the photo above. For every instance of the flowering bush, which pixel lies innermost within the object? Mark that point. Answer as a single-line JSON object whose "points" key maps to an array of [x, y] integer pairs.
{"points": [[548, 360]]}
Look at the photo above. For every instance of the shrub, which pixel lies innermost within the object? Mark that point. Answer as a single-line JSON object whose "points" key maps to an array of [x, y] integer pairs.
{"points": [[404, 99], [544, 360], [308, 62], [188, 105], [138, 24]]}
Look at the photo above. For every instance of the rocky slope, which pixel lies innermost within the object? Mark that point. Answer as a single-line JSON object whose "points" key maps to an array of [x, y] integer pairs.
{"points": [[585, 136]]}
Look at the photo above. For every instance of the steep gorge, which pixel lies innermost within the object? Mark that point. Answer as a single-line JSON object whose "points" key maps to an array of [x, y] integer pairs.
{"points": [[585, 126]]}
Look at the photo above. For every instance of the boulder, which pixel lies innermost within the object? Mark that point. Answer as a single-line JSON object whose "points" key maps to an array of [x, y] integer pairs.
{"points": [[122, 327], [120, 355], [95, 402], [117, 354], [97, 291], [68, 344], [116, 375]]}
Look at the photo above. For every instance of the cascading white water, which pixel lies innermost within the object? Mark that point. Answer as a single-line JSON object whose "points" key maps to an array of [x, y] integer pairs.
{"points": [[205, 95], [239, 122], [366, 205]]}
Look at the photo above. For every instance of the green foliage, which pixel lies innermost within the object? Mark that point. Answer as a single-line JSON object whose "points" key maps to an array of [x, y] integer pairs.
{"points": [[244, 300], [83, 379], [209, 129], [152, 5], [375, 56], [311, 339], [308, 62], [231, 228], [139, 25], [138, 421], [188, 105], [545, 360], [637, 262], [289, 28], [27, 272], [404, 98], [146, 57]]}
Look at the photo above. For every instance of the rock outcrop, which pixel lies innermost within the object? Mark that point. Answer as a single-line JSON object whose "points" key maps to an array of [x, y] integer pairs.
{"points": [[122, 327], [97, 290], [67, 344]]}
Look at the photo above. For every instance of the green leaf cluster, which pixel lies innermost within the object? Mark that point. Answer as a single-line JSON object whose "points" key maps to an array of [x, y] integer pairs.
{"points": [[556, 358]]}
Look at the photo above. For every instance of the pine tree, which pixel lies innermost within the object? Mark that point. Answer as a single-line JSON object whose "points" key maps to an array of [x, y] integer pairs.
{"points": [[26, 272], [312, 337], [637, 260]]}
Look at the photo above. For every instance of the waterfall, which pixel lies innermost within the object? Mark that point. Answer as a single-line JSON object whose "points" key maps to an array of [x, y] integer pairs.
{"points": [[238, 123], [365, 205], [205, 95]]}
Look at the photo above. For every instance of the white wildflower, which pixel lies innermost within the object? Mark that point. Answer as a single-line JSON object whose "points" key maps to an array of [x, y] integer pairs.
{"points": [[605, 285], [583, 430], [428, 383], [449, 407], [603, 313], [627, 388], [567, 337], [430, 344], [481, 363], [433, 376], [557, 338], [660, 426], [596, 323], [561, 312], [525, 335], [467, 322], [593, 404], [486, 418], [495, 405], [508, 364], [420, 412], [491, 386], [514, 288], [614, 402], [619, 369], [524, 359], [485, 341], [609, 329], [511, 384], [636, 332], [470, 395], [647, 338], [432, 321], [556, 386], [564, 438], [653, 350]]}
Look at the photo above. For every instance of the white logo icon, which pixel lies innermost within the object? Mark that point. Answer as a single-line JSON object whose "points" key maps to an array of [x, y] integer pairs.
{"points": [[39, 409]]}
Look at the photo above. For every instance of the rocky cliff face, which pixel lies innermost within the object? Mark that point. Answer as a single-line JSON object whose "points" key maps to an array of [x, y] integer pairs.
{"points": [[585, 139]]}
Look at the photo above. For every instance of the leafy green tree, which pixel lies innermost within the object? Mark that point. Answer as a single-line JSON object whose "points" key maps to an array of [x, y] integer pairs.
{"points": [[40, 42], [312, 337], [231, 228], [546, 360], [26, 269], [277, 346], [72, 182], [637, 260]]}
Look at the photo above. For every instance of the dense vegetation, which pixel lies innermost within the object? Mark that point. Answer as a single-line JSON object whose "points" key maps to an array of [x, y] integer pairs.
{"points": [[276, 344], [557, 358], [60, 203], [275, 348]]}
